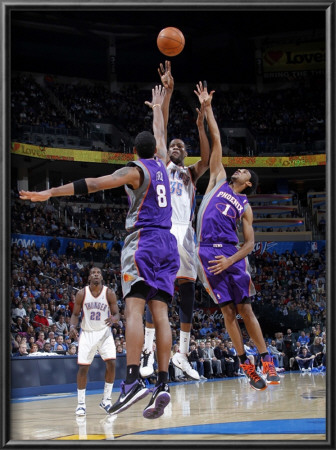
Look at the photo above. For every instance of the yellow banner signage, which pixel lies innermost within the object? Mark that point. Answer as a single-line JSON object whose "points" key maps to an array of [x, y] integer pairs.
{"points": [[66, 154], [63, 154], [269, 161], [294, 57]]}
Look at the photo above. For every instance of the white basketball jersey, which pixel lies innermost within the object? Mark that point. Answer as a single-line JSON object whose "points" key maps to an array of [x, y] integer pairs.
{"points": [[183, 194], [95, 310]]}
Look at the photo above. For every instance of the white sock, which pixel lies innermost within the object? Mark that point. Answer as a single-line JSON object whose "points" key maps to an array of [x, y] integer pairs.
{"points": [[81, 395], [107, 391], [149, 338], [184, 341]]}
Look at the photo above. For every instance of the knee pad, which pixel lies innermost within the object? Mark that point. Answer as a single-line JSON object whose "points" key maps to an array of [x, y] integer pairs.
{"points": [[187, 300]]}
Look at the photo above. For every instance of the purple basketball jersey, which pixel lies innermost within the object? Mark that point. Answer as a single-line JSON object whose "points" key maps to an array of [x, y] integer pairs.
{"points": [[150, 205], [218, 214]]}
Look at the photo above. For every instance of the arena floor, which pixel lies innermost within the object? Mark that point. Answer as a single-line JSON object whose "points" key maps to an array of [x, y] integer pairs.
{"points": [[221, 409]]}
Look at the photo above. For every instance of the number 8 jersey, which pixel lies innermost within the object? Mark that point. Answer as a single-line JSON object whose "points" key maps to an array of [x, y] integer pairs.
{"points": [[150, 204], [95, 310]]}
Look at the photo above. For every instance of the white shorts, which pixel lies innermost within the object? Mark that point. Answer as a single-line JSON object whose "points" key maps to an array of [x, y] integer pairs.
{"points": [[91, 342], [185, 236]]}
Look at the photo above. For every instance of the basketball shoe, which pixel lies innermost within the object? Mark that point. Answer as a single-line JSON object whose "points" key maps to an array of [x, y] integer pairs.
{"points": [[146, 365], [81, 409], [158, 402], [181, 362], [130, 393], [256, 382], [268, 368], [105, 405]]}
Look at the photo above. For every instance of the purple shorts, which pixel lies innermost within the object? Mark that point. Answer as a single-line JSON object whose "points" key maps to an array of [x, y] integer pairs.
{"points": [[233, 284], [150, 256]]}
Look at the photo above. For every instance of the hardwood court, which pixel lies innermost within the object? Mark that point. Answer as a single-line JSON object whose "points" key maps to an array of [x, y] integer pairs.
{"points": [[225, 409]]}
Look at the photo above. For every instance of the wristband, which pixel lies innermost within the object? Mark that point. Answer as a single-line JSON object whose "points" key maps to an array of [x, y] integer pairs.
{"points": [[80, 187], [156, 104]]}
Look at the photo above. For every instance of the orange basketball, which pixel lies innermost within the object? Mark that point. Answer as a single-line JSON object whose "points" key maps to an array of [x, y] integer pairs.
{"points": [[170, 41]]}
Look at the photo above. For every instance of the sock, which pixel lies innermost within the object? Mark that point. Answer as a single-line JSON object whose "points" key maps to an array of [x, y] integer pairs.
{"points": [[81, 395], [162, 378], [184, 341], [149, 338], [132, 373], [243, 358], [263, 355], [107, 391]]}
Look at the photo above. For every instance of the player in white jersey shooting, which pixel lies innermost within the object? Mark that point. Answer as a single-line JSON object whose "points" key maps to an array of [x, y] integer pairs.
{"points": [[99, 308], [183, 197]]}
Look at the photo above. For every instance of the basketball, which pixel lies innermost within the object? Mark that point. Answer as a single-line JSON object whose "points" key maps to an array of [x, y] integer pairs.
{"points": [[170, 41]]}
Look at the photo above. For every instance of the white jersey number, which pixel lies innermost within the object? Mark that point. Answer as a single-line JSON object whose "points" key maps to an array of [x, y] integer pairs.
{"points": [[161, 195]]}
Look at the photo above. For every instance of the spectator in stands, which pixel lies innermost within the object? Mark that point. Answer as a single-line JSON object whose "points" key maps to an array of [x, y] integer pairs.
{"points": [[281, 347], [316, 349], [227, 363], [196, 360], [26, 323], [120, 350], [31, 334], [206, 329], [34, 349], [276, 355], [19, 311], [47, 347], [289, 341], [60, 349], [233, 354], [293, 365], [16, 341], [72, 350], [53, 344], [40, 341], [18, 326], [305, 360], [40, 320], [54, 244], [303, 339], [22, 351], [61, 326], [60, 342], [214, 365], [67, 341]]}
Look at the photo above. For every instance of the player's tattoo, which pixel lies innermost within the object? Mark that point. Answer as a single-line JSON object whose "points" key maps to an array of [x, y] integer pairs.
{"points": [[122, 172]]}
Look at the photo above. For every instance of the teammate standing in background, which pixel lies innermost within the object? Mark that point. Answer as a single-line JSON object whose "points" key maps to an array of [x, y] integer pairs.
{"points": [[99, 308], [223, 264], [183, 197], [149, 258]]}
